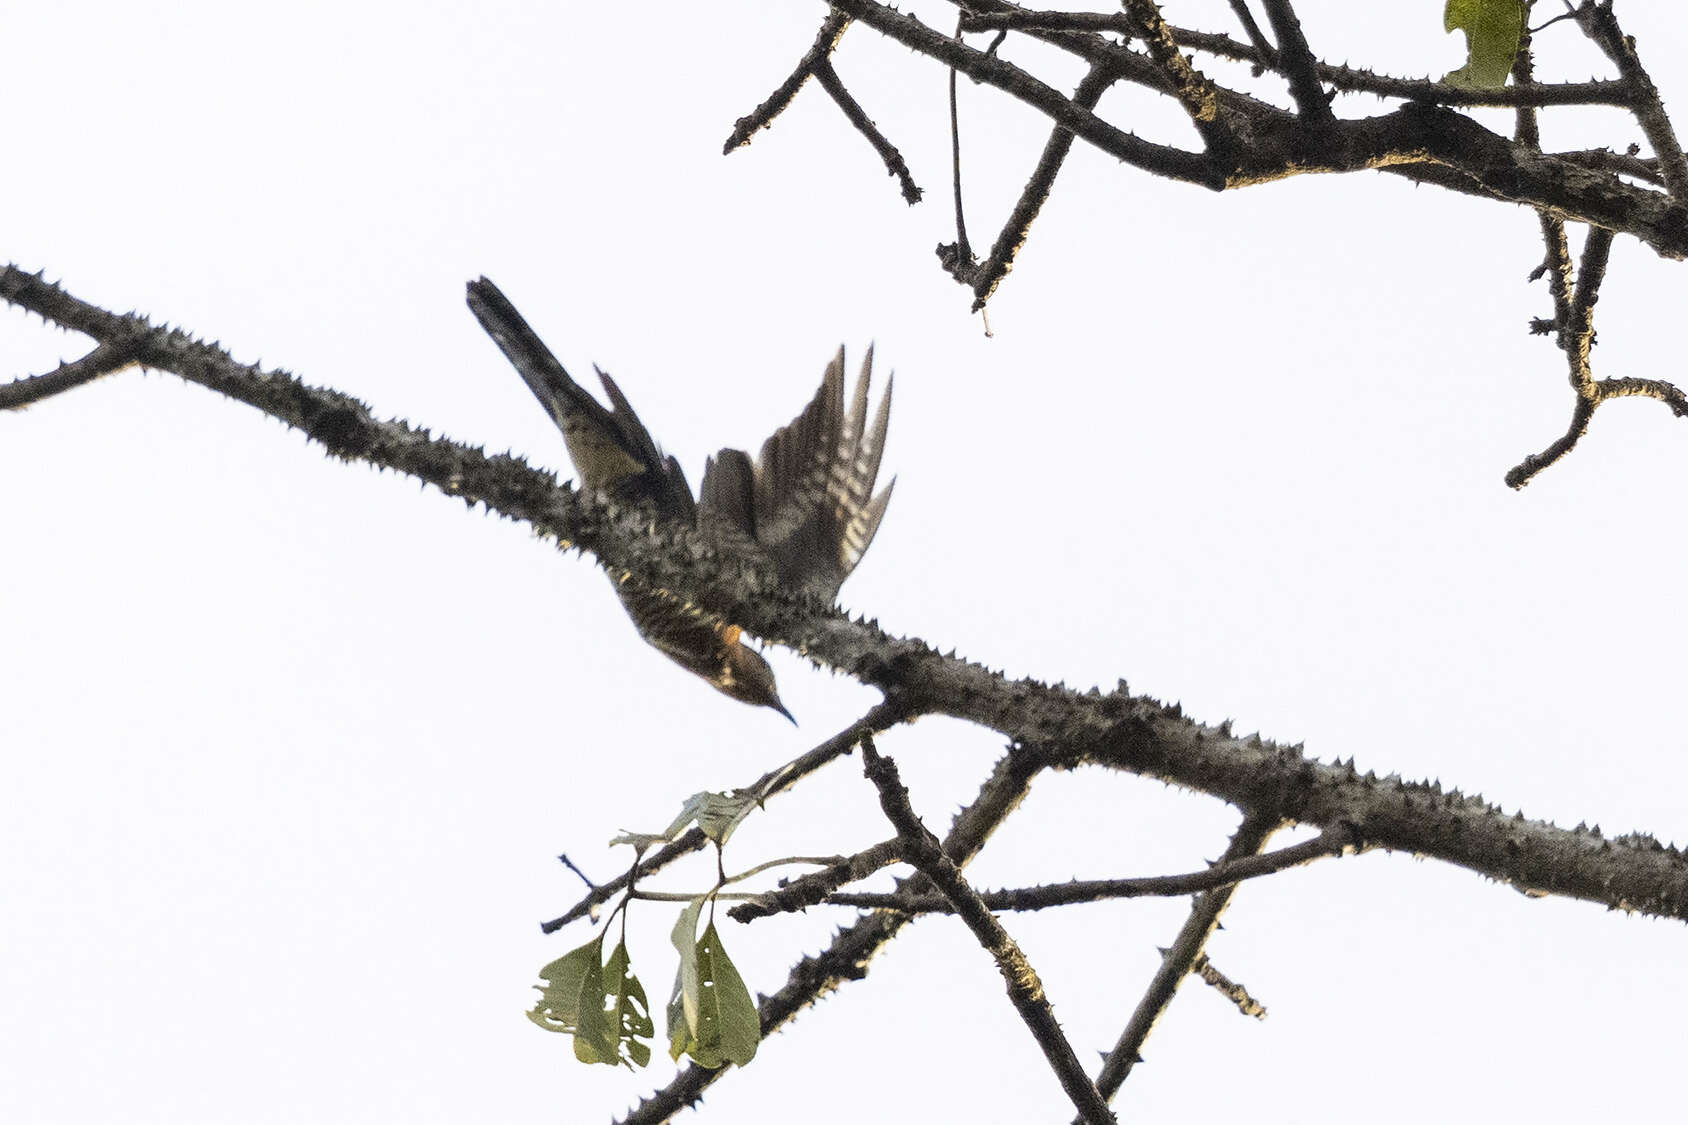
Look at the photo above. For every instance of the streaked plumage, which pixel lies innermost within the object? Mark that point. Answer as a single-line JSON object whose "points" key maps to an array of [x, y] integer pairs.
{"points": [[806, 506]]}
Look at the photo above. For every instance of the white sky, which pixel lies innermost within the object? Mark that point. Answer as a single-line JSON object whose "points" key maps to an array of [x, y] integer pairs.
{"points": [[291, 745]]}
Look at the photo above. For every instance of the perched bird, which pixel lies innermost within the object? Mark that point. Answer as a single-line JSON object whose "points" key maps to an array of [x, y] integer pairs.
{"points": [[806, 508]]}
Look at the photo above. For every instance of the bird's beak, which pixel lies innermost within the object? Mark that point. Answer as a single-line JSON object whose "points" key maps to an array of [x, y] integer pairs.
{"points": [[780, 707]]}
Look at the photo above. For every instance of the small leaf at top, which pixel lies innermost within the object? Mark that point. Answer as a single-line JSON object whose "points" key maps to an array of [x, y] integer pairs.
{"points": [[1492, 29]]}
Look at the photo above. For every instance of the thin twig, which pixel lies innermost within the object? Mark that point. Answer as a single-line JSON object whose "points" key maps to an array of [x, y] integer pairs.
{"points": [[1600, 24], [988, 275], [1576, 340], [1347, 79], [1025, 990], [962, 259], [894, 162], [1295, 58], [1180, 958], [1605, 160], [1331, 842], [1256, 37], [813, 888], [826, 40], [1198, 96], [1228, 988], [104, 359]]}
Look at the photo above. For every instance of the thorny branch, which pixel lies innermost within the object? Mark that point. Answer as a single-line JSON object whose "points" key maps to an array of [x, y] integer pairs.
{"points": [[1025, 990], [819, 887], [1180, 958], [1248, 141], [1048, 727]]}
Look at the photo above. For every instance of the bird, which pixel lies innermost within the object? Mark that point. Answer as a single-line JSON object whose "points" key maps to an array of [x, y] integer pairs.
{"points": [[805, 508]]}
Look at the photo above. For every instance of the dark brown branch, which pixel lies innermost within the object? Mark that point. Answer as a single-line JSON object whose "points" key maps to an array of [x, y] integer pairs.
{"points": [[826, 41], [1174, 163], [1332, 842], [1575, 322], [1582, 410], [984, 278], [1420, 142], [1350, 80], [1180, 958], [814, 888], [1296, 61], [1601, 25], [846, 959], [1266, 54], [1605, 160], [894, 162], [1025, 990], [1198, 96], [105, 359]]}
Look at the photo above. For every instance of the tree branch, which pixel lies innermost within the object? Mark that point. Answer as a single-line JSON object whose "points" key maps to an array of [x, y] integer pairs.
{"points": [[1332, 842], [105, 359], [1179, 959], [846, 959], [1025, 990], [1050, 726]]}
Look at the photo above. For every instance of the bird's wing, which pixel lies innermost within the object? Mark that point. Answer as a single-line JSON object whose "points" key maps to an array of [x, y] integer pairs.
{"points": [[808, 502], [611, 449]]}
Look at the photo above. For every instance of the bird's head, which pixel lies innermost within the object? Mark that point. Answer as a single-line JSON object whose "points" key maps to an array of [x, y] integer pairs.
{"points": [[746, 676]]}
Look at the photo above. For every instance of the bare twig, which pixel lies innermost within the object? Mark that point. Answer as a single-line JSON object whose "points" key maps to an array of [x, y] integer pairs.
{"points": [[826, 40], [894, 162], [1179, 958], [1198, 96], [987, 276], [957, 258], [1025, 990], [1229, 988], [1332, 842], [1346, 79], [1268, 55], [1296, 60], [1576, 340], [813, 889], [1605, 160], [105, 359], [1600, 24]]}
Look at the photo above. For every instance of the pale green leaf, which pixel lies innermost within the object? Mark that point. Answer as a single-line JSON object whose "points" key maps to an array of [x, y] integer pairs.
{"points": [[558, 1008], [683, 1001], [716, 813], [728, 1028], [628, 1009]]}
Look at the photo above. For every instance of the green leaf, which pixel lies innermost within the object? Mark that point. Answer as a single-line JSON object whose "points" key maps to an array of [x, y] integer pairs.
{"points": [[1492, 31], [559, 1000], [576, 999], [631, 1012], [711, 1016], [728, 1028], [716, 813], [682, 1002]]}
